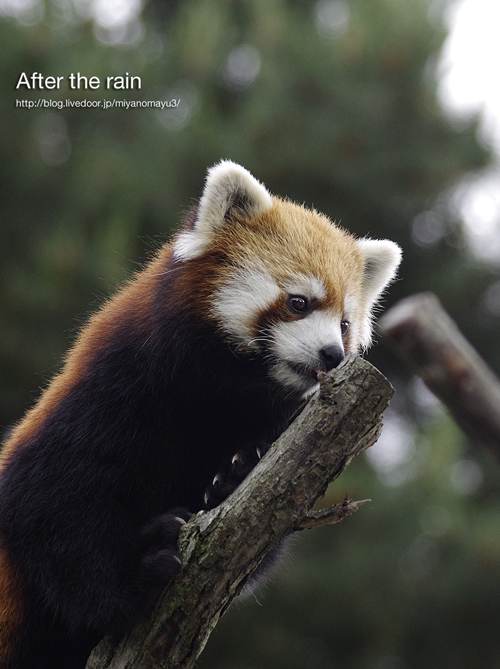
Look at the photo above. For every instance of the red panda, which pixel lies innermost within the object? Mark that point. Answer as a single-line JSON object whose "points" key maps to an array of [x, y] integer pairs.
{"points": [[197, 364]]}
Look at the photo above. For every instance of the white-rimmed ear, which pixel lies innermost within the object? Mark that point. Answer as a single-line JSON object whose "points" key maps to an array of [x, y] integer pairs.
{"points": [[229, 190], [381, 259]]}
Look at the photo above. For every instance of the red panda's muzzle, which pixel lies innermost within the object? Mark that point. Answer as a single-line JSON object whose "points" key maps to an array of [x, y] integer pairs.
{"points": [[331, 356]]}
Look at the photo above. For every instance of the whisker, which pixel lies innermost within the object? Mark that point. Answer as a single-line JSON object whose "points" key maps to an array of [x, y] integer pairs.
{"points": [[168, 271]]}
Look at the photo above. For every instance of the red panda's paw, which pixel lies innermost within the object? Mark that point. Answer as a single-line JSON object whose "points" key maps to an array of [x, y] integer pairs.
{"points": [[229, 478], [161, 558], [160, 562]]}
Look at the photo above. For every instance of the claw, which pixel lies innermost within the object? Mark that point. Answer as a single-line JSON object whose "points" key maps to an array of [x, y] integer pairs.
{"points": [[259, 452], [238, 459], [217, 480], [206, 498]]}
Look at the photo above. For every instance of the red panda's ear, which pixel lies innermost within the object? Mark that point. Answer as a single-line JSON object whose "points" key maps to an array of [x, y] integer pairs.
{"points": [[381, 259], [229, 190]]}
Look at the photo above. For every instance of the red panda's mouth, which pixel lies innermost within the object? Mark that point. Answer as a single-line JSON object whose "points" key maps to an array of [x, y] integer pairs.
{"points": [[304, 370]]}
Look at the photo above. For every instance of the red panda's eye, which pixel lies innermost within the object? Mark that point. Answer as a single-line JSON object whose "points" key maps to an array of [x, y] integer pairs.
{"points": [[298, 304], [344, 326]]}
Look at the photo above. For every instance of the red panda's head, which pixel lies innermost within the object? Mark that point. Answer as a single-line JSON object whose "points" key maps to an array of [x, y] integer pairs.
{"points": [[284, 281]]}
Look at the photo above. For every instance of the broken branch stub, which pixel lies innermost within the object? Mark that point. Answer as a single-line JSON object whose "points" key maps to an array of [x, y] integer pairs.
{"points": [[430, 342]]}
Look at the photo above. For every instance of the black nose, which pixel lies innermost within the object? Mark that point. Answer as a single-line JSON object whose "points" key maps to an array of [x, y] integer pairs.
{"points": [[331, 356]]}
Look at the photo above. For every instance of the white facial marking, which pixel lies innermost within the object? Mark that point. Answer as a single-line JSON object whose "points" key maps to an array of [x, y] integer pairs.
{"points": [[309, 286], [349, 306], [297, 344], [249, 292], [365, 329], [351, 314], [300, 341], [289, 378]]}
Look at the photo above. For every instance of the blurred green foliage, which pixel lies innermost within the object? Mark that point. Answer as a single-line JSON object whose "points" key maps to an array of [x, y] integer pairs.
{"points": [[331, 103]]}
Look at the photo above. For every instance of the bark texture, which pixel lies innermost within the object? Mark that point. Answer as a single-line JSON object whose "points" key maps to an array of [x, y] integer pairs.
{"points": [[432, 345], [221, 548]]}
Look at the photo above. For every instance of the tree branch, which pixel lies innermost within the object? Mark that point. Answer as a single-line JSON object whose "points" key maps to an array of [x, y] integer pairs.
{"points": [[430, 342], [222, 547]]}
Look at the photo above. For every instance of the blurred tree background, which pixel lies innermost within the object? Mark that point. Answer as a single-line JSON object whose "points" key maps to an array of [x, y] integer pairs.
{"points": [[332, 103]]}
